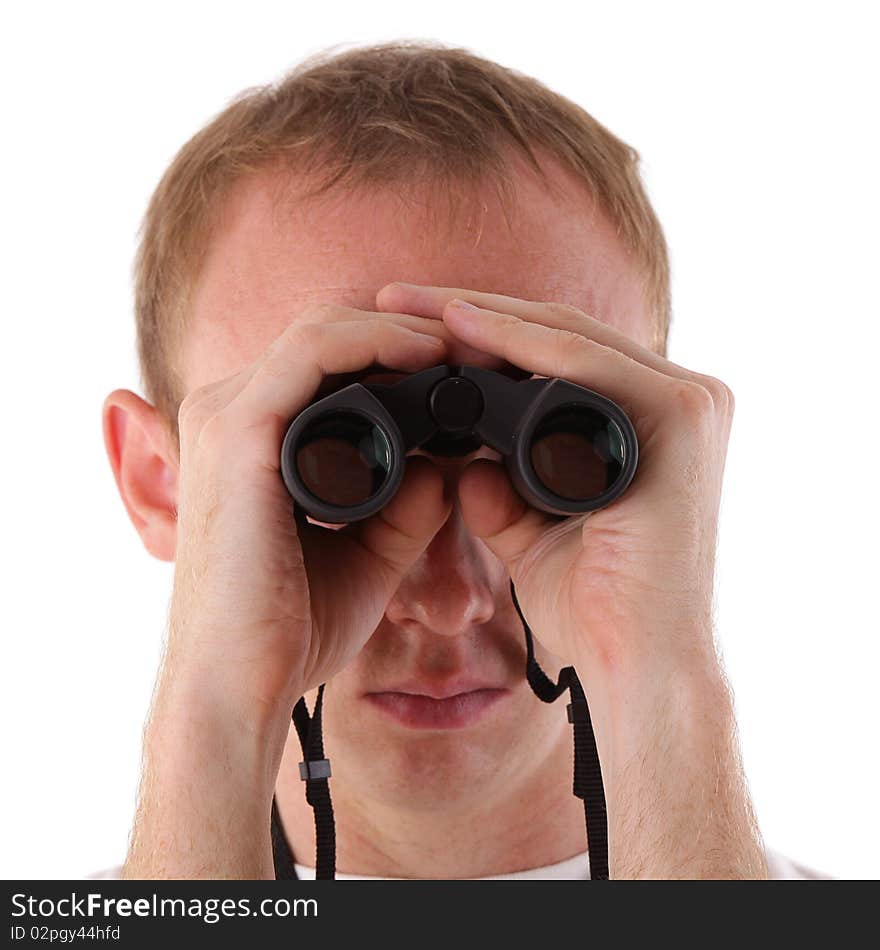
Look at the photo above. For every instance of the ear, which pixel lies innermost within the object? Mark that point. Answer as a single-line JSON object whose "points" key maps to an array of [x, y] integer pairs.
{"points": [[145, 467]]}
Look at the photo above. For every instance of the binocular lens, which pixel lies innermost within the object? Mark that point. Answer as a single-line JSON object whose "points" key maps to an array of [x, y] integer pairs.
{"points": [[343, 458], [578, 453], [566, 448]]}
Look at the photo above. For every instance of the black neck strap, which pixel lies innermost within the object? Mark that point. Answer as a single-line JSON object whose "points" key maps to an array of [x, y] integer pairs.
{"points": [[587, 783], [315, 771]]}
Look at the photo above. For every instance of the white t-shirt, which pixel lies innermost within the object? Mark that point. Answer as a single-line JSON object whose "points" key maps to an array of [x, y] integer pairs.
{"points": [[572, 869]]}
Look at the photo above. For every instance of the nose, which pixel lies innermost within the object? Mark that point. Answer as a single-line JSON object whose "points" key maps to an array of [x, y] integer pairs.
{"points": [[448, 591]]}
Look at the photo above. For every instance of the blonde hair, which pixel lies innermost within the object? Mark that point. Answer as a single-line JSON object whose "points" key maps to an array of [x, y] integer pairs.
{"points": [[392, 113]]}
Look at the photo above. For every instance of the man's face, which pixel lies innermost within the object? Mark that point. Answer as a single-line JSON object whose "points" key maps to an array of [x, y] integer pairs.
{"points": [[451, 625]]}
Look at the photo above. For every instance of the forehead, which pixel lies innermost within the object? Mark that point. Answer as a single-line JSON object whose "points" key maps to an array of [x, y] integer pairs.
{"points": [[273, 253]]}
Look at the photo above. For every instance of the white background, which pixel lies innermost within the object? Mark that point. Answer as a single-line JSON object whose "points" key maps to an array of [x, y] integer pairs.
{"points": [[758, 129]]}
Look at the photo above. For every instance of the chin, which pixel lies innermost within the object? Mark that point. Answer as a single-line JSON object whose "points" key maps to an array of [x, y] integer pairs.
{"points": [[433, 770], [413, 769]]}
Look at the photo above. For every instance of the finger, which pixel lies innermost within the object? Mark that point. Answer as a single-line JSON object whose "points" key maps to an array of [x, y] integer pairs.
{"points": [[399, 533], [516, 533], [431, 301], [338, 313], [552, 352], [494, 512], [207, 400], [375, 554], [457, 351], [292, 369]]}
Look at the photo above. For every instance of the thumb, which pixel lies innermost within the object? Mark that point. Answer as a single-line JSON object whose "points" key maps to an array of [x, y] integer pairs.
{"points": [[537, 549], [397, 535], [354, 571], [493, 510]]}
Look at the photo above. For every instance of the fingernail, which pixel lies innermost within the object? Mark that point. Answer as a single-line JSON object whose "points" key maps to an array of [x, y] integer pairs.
{"points": [[461, 304]]}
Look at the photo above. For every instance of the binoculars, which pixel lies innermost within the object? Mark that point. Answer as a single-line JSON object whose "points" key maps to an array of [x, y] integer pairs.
{"points": [[567, 449]]}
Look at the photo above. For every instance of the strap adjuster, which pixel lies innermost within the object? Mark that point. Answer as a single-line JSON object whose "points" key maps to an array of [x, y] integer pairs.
{"points": [[314, 768], [578, 712]]}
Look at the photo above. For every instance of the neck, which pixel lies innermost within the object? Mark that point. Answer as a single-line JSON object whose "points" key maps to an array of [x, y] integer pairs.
{"points": [[534, 823]]}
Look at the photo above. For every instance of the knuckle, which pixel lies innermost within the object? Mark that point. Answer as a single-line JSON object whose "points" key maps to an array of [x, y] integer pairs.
{"points": [[317, 313], [186, 412], [567, 341], [731, 401], [212, 433], [390, 335], [507, 321], [693, 400], [569, 347], [565, 310], [724, 397], [201, 428], [721, 393], [387, 331], [192, 408], [237, 439], [301, 334], [300, 340]]}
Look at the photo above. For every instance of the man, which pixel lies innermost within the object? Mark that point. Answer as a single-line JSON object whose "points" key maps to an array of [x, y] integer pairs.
{"points": [[383, 211]]}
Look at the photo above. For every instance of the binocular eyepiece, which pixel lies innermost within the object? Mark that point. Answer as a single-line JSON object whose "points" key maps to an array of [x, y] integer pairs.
{"points": [[567, 449]]}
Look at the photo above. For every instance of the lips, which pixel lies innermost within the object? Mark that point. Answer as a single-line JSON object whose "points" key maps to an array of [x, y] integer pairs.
{"points": [[446, 707]]}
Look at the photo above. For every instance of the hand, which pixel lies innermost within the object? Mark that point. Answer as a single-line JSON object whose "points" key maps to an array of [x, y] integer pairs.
{"points": [[594, 586], [257, 601], [624, 593], [265, 605]]}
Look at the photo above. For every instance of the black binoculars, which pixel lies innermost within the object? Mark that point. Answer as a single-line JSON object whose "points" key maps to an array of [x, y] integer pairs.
{"points": [[567, 449]]}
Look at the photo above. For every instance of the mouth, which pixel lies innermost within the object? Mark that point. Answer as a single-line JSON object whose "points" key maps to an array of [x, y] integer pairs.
{"points": [[457, 710]]}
